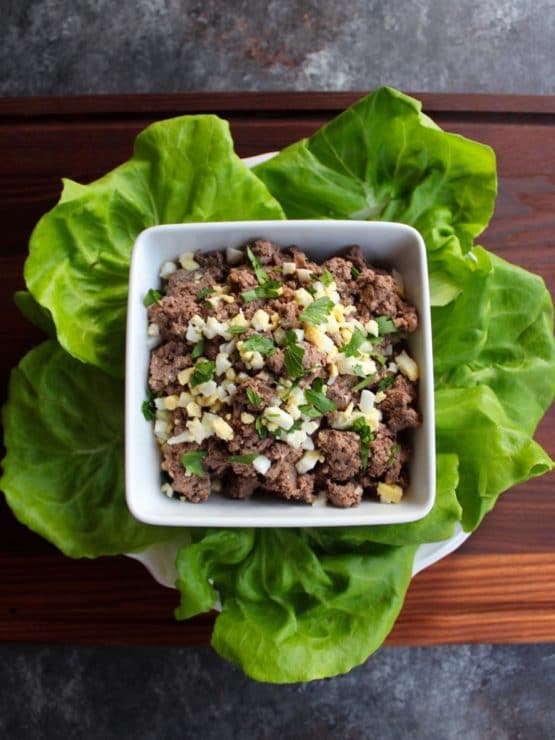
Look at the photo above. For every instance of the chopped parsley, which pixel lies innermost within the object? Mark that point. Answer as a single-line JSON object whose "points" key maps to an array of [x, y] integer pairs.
{"points": [[245, 459], [198, 349], [386, 382], [261, 344], [148, 408], [317, 312], [358, 371], [270, 289], [152, 296], [386, 325], [203, 373], [318, 399], [260, 428], [294, 355], [253, 397], [352, 348], [378, 357], [192, 462], [395, 449], [310, 411], [365, 434], [354, 272], [327, 278], [311, 289], [363, 383], [237, 329], [260, 273], [204, 293]]}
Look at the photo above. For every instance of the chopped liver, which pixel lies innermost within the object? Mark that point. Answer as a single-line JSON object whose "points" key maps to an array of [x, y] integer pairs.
{"points": [[274, 396]]}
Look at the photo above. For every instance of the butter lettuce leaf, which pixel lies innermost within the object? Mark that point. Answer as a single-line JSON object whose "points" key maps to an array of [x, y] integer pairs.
{"points": [[309, 615], [63, 470], [182, 170], [383, 159]]}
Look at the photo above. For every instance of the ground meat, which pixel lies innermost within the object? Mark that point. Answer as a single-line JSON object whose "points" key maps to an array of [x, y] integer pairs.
{"points": [[342, 453], [377, 292], [217, 460], [276, 362], [189, 283], [301, 260], [287, 310], [211, 348], [237, 487], [340, 392], [344, 495], [282, 476], [194, 488], [241, 278], [354, 255], [305, 488], [396, 406], [267, 252], [213, 264], [246, 438], [172, 315], [341, 269], [259, 385], [380, 454], [166, 362], [407, 318]]}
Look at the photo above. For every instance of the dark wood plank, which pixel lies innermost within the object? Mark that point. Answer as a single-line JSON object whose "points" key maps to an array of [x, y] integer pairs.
{"points": [[48, 597]]}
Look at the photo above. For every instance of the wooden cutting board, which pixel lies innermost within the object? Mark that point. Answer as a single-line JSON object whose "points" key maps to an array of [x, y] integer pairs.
{"points": [[498, 587]]}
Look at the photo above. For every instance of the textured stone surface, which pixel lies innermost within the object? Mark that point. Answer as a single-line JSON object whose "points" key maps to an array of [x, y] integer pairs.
{"points": [[95, 46], [475, 693]]}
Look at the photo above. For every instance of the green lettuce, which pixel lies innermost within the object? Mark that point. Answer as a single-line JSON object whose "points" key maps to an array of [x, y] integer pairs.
{"points": [[63, 470], [289, 611], [182, 170], [383, 159]]}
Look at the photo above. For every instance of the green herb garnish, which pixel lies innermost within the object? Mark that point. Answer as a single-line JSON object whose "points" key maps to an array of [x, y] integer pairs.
{"points": [[386, 382], [270, 289], [363, 383], [326, 278], [253, 397], [395, 449], [152, 296], [198, 349], [148, 408], [260, 428], [310, 411], [351, 349], [378, 357], [260, 273], [261, 344], [203, 373], [319, 400], [366, 436], [354, 272], [204, 293], [386, 325], [311, 289], [192, 462], [294, 355], [237, 329], [317, 312], [245, 459]]}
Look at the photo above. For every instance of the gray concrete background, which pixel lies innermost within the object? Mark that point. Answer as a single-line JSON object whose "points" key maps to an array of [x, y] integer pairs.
{"points": [[53, 47], [95, 46]]}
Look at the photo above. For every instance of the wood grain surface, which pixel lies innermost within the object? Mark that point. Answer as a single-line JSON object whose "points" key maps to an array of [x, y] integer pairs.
{"points": [[498, 587]]}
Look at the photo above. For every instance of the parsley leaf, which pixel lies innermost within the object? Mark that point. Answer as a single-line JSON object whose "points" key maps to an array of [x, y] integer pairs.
{"points": [[152, 296], [310, 411], [294, 355], [260, 273], [352, 348], [192, 462], [237, 329], [253, 397], [198, 349], [148, 408], [261, 344], [378, 357], [270, 289], [395, 449], [319, 400], [260, 428], [386, 325], [202, 294], [246, 459], [317, 312], [386, 382], [327, 278], [366, 436], [354, 272], [203, 373], [363, 383]]}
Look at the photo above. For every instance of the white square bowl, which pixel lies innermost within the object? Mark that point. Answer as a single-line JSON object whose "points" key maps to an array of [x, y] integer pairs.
{"points": [[388, 245]]}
